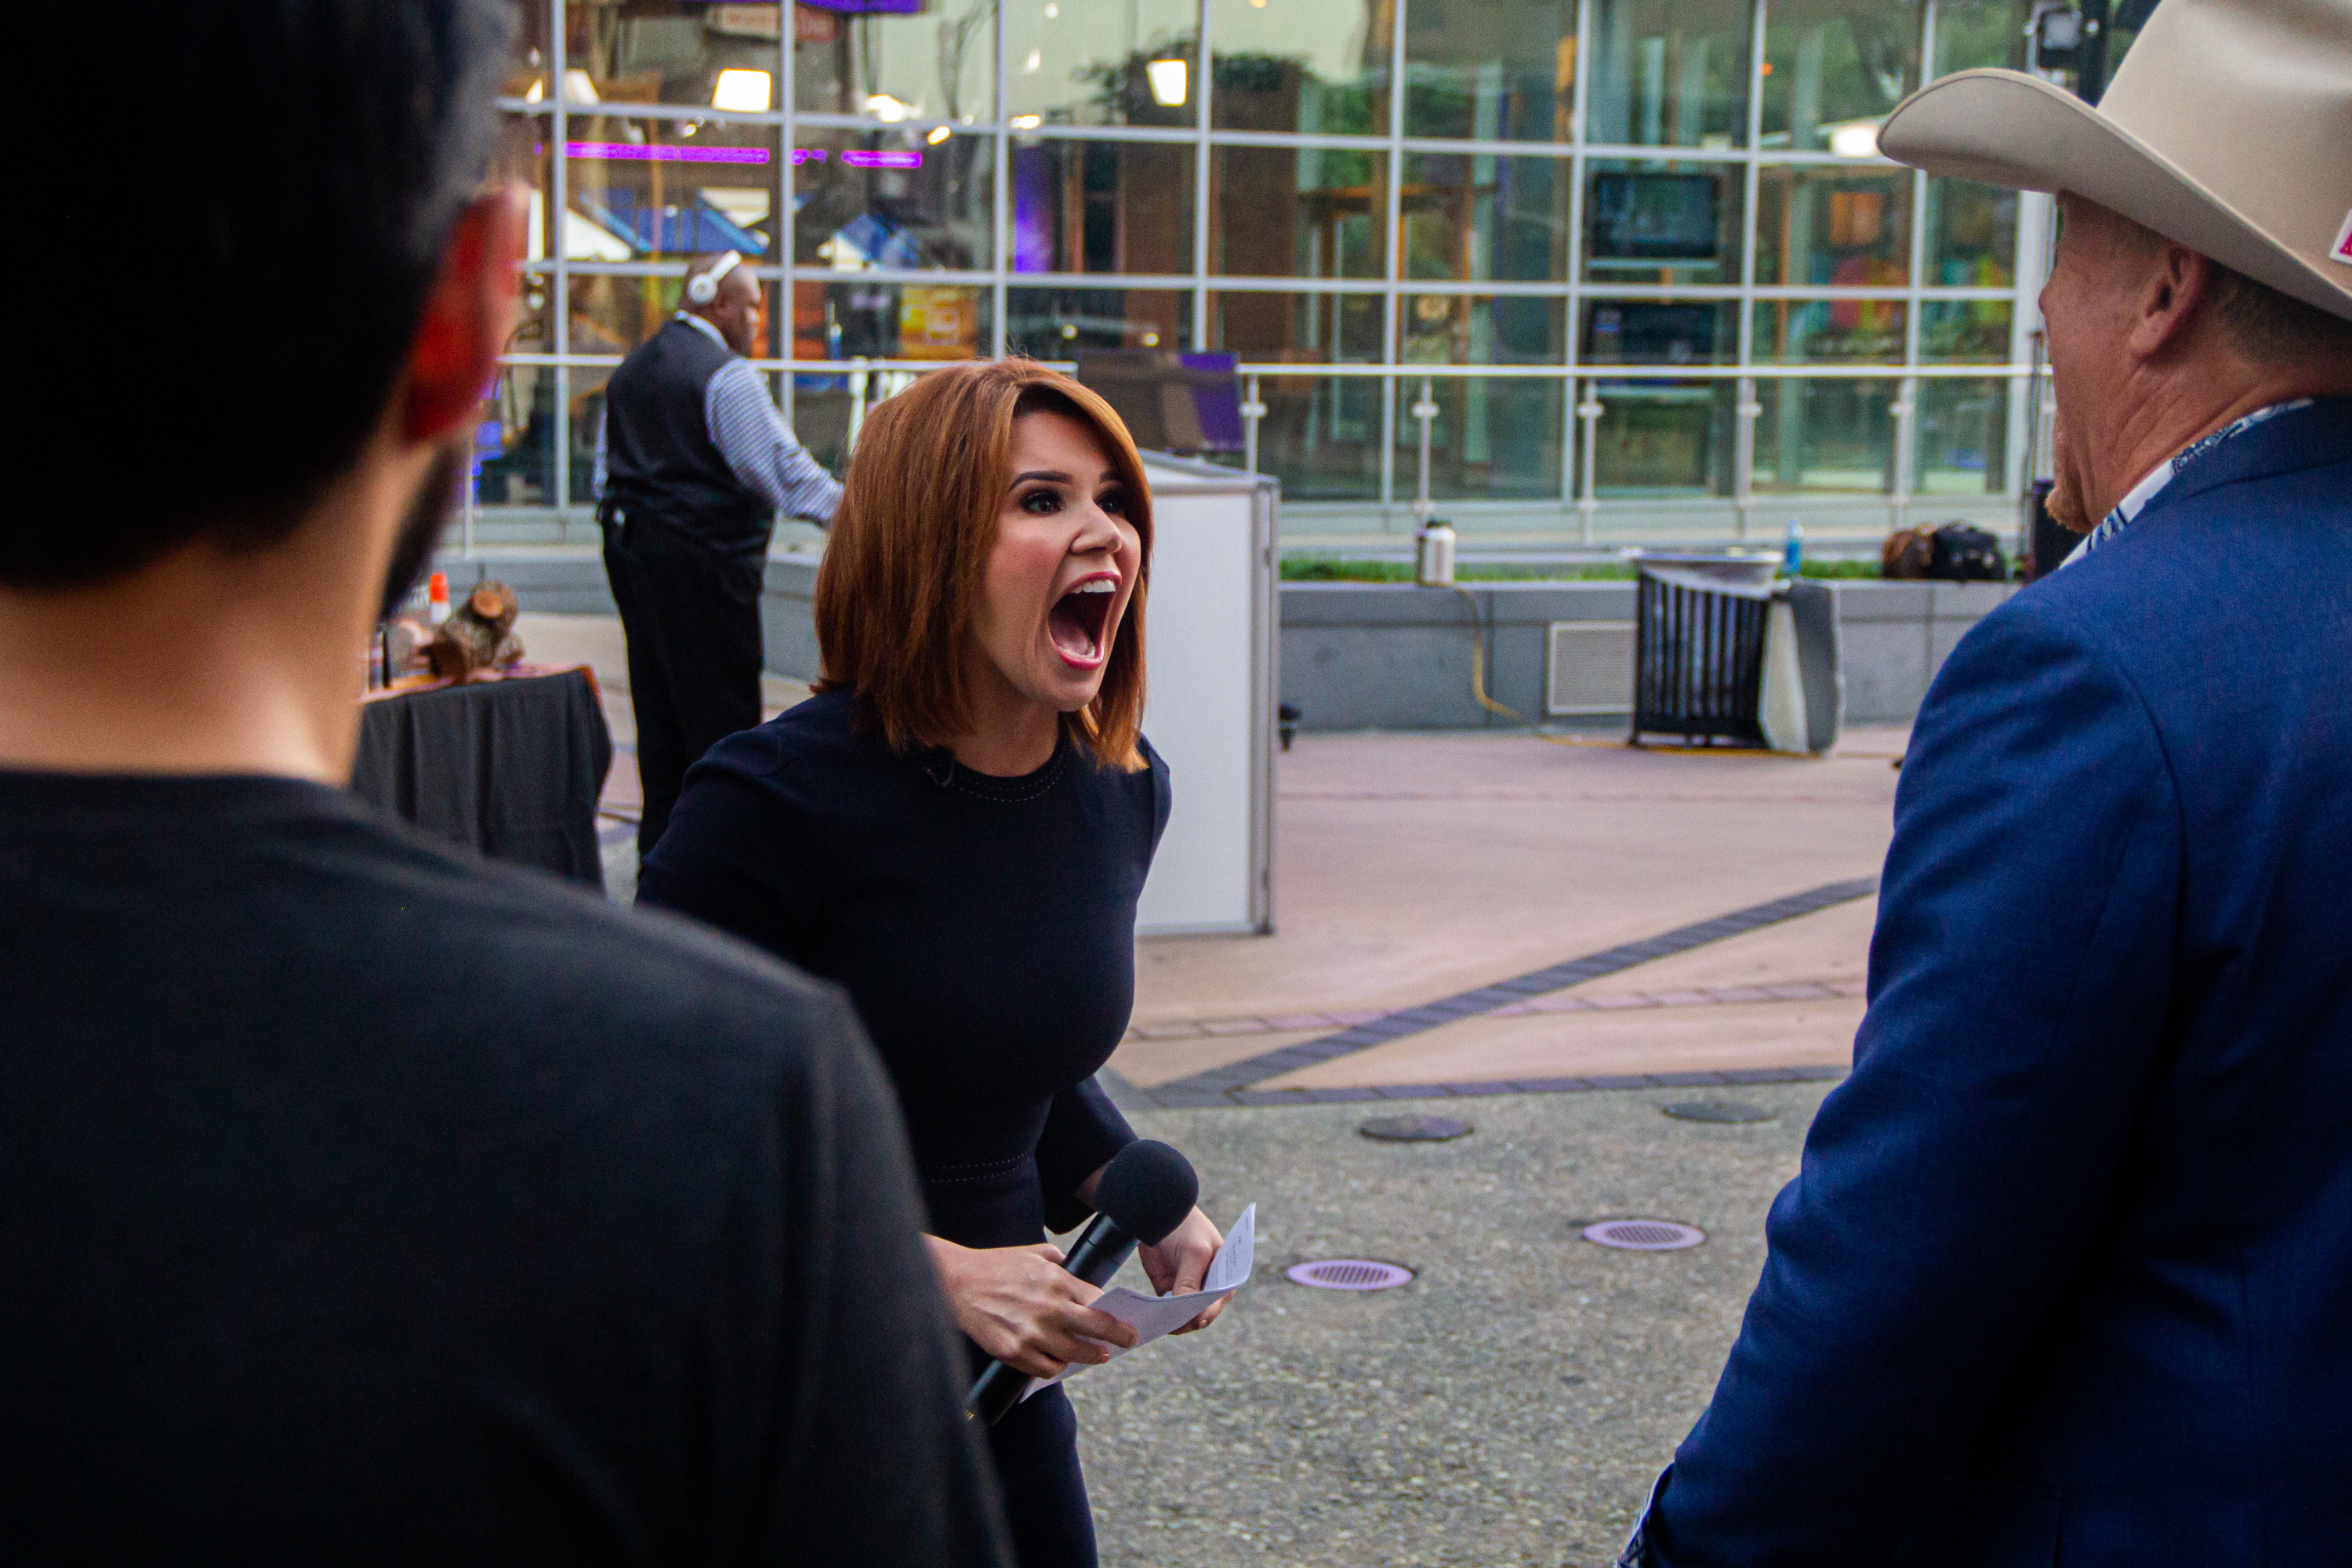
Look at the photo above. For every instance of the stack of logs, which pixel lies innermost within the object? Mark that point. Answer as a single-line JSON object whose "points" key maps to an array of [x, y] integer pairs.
{"points": [[478, 633]]}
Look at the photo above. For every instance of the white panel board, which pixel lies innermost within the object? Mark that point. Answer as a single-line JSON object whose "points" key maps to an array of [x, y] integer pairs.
{"points": [[1206, 661]]}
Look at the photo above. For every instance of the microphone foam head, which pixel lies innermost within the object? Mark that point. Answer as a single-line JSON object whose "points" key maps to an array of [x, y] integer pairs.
{"points": [[1147, 1190]]}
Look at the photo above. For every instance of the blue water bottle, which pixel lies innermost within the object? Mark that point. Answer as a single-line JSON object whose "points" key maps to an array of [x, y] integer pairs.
{"points": [[1793, 553]]}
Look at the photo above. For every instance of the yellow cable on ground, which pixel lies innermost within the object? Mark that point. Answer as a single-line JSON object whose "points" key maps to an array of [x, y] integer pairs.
{"points": [[1478, 690]]}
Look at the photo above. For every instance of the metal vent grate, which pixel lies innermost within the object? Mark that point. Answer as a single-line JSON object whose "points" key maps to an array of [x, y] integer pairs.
{"points": [[1348, 1274], [1414, 1129], [1591, 667], [1644, 1235]]}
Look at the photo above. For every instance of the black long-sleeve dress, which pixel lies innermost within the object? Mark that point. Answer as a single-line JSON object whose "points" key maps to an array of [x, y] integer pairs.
{"points": [[985, 928]]}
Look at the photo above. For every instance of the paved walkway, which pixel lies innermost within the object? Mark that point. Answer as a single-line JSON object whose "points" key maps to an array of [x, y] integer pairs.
{"points": [[1459, 913], [1476, 917], [1470, 914]]}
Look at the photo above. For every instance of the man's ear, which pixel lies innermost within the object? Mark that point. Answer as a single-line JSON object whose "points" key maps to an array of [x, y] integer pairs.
{"points": [[468, 315], [2179, 279]]}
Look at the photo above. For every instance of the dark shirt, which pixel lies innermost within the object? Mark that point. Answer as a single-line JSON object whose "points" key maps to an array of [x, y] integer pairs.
{"points": [[367, 1204], [984, 927]]}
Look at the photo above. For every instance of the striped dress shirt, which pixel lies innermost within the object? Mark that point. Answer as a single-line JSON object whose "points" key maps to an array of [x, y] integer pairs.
{"points": [[760, 448]]}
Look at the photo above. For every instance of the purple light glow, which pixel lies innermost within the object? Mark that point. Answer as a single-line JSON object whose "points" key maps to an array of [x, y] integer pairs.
{"points": [[633, 152], [808, 155], [883, 160]]}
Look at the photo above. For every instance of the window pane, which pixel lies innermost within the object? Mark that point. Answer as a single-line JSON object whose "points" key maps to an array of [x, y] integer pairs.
{"points": [[612, 315], [939, 65], [1970, 33], [1825, 436], [1662, 222], [888, 321], [1055, 323], [1964, 332], [663, 51], [1321, 436], [1469, 216], [523, 156], [1297, 212], [1480, 329], [1846, 227], [1660, 331], [1081, 62], [890, 199], [1832, 64], [528, 58], [828, 409], [1963, 439], [516, 448], [1663, 439], [1300, 64], [651, 190], [1326, 329], [1971, 234], [1491, 440], [1491, 69], [1670, 73], [1102, 206], [1812, 331]]}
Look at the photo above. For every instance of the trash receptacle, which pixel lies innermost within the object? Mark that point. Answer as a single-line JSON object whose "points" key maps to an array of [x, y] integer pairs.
{"points": [[1723, 651], [1698, 645]]}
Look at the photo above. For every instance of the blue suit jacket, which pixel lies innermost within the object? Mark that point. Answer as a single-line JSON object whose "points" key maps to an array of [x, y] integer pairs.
{"points": [[2066, 1276]]}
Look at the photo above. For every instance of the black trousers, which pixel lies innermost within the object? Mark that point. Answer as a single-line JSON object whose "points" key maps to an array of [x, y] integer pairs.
{"points": [[692, 618], [1035, 1451]]}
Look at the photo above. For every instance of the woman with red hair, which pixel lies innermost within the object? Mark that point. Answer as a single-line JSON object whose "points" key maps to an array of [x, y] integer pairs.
{"points": [[956, 829]]}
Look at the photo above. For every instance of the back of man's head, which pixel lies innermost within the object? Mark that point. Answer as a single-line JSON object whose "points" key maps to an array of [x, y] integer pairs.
{"points": [[278, 179]]}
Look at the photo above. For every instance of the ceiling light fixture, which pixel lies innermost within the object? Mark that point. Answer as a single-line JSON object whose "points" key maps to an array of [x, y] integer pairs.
{"points": [[1856, 141], [748, 91], [1168, 82]]}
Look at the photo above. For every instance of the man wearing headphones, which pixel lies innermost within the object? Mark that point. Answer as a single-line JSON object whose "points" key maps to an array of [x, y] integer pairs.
{"points": [[693, 463]]}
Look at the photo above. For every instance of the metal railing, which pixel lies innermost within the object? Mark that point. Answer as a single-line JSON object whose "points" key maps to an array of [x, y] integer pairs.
{"points": [[1590, 388]]}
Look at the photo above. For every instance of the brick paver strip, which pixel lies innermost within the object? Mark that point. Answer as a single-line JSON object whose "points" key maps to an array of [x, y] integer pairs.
{"points": [[1223, 1085], [1131, 1098]]}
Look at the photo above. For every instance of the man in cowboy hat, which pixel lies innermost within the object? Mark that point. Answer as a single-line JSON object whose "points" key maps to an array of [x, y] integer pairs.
{"points": [[2067, 1275]]}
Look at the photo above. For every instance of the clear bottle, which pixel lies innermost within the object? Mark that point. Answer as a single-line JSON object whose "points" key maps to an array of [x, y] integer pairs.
{"points": [[1792, 550], [1433, 565]]}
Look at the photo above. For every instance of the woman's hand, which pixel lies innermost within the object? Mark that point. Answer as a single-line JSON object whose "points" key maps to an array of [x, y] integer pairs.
{"points": [[1180, 1262], [1022, 1306]]}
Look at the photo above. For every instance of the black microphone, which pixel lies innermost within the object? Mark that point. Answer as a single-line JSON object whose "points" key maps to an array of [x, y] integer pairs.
{"points": [[1146, 1192]]}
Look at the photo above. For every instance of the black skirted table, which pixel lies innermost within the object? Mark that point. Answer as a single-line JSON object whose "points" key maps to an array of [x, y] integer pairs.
{"points": [[511, 768]]}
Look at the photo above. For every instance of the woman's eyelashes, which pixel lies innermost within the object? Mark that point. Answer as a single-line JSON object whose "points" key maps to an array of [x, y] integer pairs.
{"points": [[1045, 501]]}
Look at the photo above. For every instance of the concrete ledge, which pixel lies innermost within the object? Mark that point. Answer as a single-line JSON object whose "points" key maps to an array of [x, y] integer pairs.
{"points": [[1394, 656], [1372, 656]]}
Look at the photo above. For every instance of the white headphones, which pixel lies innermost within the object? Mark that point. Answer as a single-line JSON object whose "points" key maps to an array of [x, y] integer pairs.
{"points": [[704, 288]]}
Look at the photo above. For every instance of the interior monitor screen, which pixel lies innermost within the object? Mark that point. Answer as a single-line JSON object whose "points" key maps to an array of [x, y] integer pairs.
{"points": [[1642, 332], [1654, 217]]}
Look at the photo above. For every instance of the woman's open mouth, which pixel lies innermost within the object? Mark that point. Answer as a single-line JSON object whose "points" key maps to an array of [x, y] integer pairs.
{"points": [[1077, 622]]}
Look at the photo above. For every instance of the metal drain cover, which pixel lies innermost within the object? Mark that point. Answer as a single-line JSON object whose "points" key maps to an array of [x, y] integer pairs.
{"points": [[1414, 1129], [1348, 1274], [1644, 1235], [1717, 1110]]}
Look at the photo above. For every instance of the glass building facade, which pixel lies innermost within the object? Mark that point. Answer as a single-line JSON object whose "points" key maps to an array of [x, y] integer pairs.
{"points": [[1603, 270]]}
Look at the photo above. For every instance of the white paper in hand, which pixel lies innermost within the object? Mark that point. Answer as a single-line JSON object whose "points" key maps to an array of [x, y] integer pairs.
{"points": [[1152, 1317]]}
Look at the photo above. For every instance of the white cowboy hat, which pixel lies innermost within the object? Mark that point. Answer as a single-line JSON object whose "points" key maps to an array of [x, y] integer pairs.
{"points": [[2228, 128]]}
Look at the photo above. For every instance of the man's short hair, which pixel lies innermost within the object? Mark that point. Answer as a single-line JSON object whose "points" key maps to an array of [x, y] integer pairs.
{"points": [[265, 190], [2274, 329]]}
